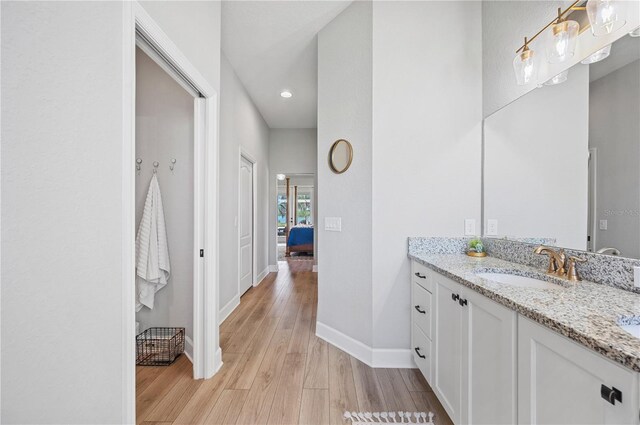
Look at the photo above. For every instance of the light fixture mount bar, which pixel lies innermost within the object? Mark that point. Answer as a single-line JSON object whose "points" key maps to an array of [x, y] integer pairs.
{"points": [[574, 6]]}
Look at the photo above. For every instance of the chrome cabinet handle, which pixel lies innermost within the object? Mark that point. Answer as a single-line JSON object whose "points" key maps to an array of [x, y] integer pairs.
{"points": [[417, 307], [420, 275], [422, 356]]}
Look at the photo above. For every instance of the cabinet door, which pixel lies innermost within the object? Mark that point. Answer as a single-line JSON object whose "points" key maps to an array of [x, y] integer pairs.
{"points": [[560, 381], [488, 361], [446, 345]]}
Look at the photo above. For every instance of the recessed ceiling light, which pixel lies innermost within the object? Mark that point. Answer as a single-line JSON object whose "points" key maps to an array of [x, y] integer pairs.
{"points": [[286, 94]]}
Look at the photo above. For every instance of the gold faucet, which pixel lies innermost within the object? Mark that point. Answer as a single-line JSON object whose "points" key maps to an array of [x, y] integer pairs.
{"points": [[557, 263], [556, 260]]}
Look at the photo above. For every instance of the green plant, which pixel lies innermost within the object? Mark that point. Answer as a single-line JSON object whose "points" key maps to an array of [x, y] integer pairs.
{"points": [[476, 245]]}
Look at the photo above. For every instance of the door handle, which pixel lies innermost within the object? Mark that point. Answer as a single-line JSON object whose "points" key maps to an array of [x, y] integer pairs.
{"points": [[422, 356], [420, 275], [610, 394], [417, 307], [455, 297]]}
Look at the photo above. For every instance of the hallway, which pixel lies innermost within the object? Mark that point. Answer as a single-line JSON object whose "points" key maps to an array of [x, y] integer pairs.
{"points": [[276, 371]]}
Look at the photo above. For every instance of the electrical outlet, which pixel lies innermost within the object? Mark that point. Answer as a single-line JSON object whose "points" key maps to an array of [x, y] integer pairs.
{"points": [[603, 224], [333, 224], [492, 227], [469, 226]]}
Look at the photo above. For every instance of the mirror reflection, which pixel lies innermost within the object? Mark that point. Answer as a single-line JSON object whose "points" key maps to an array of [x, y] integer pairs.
{"points": [[563, 161]]}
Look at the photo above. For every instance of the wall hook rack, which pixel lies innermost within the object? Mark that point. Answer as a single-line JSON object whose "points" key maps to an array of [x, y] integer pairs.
{"points": [[156, 164], [138, 167], [173, 164]]}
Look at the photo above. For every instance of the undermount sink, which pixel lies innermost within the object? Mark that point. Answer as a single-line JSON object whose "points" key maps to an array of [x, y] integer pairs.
{"points": [[515, 280], [630, 324]]}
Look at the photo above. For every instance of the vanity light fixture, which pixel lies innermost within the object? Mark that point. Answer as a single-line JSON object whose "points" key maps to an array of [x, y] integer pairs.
{"points": [[558, 79], [605, 16], [286, 94], [562, 39], [524, 65], [597, 56], [280, 177], [635, 32]]}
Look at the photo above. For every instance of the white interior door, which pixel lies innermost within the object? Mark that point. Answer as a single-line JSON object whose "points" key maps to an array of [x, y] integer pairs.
{"points": [[246, 224]]}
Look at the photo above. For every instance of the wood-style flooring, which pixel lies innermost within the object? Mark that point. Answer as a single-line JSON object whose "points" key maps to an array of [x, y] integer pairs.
{"points": [[276, 371]]}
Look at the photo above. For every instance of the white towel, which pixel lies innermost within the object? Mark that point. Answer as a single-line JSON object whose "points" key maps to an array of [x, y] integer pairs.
{"points": [[152, 251]]}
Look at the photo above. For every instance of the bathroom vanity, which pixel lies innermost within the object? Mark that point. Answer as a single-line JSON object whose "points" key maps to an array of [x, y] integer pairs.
{"points": [[530, 350]]}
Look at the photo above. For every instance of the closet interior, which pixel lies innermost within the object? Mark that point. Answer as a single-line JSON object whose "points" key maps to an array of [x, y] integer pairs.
{"points": [[164, 196]]}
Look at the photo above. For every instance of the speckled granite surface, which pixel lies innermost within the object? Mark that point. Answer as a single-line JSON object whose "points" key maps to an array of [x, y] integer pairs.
{"points": [[606, 269], [585, 312]]}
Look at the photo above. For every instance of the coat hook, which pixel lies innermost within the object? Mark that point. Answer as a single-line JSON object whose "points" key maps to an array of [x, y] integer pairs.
{"points": [[138, 162], [173, 164], [155, 166]]}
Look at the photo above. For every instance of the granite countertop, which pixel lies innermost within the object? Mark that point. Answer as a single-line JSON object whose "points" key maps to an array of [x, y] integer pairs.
{"points": [[585, 312]]}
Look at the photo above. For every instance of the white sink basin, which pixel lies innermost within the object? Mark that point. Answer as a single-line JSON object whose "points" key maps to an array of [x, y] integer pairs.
{"points": [[514, 280], [630, 324]]}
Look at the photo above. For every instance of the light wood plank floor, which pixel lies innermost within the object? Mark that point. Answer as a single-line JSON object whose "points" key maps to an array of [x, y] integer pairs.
{"points": [[276, 371]]}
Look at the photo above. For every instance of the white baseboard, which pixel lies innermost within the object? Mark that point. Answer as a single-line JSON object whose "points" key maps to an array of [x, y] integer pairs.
{"points": [[228, 309], [188, 348], [315, 268], [217, 361], [374, 357], [261, 276], [273, 268]]}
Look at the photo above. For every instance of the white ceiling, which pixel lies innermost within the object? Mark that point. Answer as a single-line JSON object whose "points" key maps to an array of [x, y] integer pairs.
{"points": [[272, 46]]}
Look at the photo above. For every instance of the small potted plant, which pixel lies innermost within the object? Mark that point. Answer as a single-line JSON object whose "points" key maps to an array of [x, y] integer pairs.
{"points": [[476, 248]]}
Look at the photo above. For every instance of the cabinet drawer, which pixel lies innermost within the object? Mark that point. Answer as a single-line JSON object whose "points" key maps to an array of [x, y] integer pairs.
{"points": [[422, 352], [422, 275], [421, 308]]}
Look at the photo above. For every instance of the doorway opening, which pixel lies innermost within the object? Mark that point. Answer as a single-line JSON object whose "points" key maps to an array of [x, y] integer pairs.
{"points": [[296, 214], [200, 164]]}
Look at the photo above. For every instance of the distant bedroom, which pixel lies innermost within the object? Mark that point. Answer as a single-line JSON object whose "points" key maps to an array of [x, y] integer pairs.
{"points": [[295, 214]]}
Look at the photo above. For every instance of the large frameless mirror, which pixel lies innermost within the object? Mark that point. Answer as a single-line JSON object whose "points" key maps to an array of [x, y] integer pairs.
{"points": [[562, 163]]}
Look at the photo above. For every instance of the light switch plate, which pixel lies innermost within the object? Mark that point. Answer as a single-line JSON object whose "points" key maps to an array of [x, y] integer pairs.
{"points": [[603, 224], [333, 224], [469, 226], [492, 227]]}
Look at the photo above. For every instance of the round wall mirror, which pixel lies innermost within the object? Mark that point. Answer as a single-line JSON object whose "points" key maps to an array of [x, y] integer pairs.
{"points": [[340, 156]]}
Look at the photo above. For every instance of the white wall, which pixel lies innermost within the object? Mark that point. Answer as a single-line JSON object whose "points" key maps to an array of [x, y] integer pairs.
{"points": [[164, 131], [427, 114], [62, 99], [62, 220], [291, 151], [241, 125], [344, 111], [506, 23], [536, 163], [195, 27], [614, 129]]}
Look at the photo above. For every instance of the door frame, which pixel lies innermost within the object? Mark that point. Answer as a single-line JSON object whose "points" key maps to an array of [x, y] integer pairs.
{"points": [[243, 153], [206, 351]]}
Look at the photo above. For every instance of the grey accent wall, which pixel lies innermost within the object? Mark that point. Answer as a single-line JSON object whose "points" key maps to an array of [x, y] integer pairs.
{"points": [[240, 125], [345, 77]]}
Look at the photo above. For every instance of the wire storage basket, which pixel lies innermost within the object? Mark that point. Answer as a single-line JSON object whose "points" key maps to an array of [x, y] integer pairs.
{"points": [[159, 346]]}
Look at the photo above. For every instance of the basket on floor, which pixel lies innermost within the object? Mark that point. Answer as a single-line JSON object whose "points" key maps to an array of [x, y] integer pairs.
{"points": [[159, 346]]}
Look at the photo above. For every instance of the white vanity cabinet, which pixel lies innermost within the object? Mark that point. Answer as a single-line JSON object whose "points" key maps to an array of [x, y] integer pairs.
{"points": [[489, 365], [563, 382], [473, 369]]}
